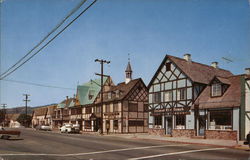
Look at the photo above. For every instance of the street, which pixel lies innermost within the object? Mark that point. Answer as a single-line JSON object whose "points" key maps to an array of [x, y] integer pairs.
{"points": [[51, 145]]}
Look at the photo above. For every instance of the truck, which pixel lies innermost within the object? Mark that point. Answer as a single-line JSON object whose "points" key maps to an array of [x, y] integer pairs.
{"points": [[70, 128], [6, 134]]}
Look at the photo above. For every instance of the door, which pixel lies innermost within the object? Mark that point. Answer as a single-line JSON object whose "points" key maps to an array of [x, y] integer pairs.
{"points": [[169, 125], [202, 125]]}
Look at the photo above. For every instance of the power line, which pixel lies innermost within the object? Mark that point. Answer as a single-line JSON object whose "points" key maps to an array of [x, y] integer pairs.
{"points": [[52, 31], [49, 40], [36, 84]]}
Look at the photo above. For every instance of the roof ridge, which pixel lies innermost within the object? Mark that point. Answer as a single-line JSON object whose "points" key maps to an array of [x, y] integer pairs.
{"points": [[198, 63]]}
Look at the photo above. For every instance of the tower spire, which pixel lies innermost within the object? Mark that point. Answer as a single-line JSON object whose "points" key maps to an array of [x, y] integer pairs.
{"points": [[128, 71]]}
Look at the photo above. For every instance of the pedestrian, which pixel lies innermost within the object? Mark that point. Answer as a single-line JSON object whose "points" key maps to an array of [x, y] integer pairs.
{"points": [[248, 139], [107, 127]]}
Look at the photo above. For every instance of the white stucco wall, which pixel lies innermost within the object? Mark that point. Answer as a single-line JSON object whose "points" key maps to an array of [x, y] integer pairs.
{"points": [[190, 121], [236, 119]]}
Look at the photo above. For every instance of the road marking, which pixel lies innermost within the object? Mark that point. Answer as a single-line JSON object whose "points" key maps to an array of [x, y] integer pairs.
{"points": [[174, 153], [88, 153]]}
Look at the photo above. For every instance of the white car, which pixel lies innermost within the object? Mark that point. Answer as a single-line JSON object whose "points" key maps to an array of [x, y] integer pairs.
{"points": [[44, 127], [70, 128]]}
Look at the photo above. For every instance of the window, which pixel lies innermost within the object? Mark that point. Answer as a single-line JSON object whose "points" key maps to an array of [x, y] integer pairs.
{"points": [[180, 121], [133, 107], [88, 110], [87, 124], [109, 95], [115, 107], [117, 94], [220, 119], [115, 124], [107, 108], [157, 97], [158, 120], [216, 89], [91, 94], [135, 123], [168, 96], [181, 94], [98, 109], [168, 66]]}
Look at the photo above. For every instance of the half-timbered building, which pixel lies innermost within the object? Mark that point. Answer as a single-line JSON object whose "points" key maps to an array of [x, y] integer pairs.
{"points": [[124, 107], [183, 96]]}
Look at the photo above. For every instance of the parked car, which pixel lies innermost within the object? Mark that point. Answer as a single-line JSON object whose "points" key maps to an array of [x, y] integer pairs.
{"points": [[43, 127], [70, 128], [6, 134]]}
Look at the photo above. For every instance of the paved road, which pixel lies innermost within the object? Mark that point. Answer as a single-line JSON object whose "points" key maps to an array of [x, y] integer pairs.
{"points": [[50, 145]]}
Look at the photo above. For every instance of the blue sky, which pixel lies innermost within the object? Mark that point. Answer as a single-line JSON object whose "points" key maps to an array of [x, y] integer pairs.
{"points": [[148, 30]]}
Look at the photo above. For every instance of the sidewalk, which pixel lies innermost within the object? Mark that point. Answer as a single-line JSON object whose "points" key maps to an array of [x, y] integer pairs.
{"points": [[214, 142]]}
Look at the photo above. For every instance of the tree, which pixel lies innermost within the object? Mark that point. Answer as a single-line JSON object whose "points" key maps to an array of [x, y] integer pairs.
{"points": [[24, 120], [1, 116]]}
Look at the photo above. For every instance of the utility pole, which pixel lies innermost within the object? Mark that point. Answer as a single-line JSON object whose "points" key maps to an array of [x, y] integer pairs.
{"points": [[101, 61], [4, 113], [26, 106]]}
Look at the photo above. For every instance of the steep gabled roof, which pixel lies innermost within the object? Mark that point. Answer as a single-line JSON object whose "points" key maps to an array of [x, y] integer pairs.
{"points": [[197, 72], [42, 111], [93, 86], [123, 88], [231, 98]]}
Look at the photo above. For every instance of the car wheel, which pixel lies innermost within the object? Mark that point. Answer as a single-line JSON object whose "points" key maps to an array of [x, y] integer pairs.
{"points": [[66, 131], [6, 137]]}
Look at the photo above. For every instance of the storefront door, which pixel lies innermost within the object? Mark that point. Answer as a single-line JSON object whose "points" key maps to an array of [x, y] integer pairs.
{"points": [[202, 125], [169, 125]]}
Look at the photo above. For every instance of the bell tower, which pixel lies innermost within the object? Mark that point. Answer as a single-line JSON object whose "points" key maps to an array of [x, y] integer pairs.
{"points": [[128, 72]]}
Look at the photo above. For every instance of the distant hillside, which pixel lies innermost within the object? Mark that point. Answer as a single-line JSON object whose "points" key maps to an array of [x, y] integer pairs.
{"points": [[19, 110], [22, 109]]}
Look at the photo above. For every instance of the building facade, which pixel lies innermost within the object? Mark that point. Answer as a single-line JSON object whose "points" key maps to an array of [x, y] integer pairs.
{"points": [[190, 99], [124, 107]]}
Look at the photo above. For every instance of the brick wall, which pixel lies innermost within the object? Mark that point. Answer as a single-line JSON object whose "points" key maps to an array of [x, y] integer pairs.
{"points": [[155, 131], [183, 133], [219, 134]]}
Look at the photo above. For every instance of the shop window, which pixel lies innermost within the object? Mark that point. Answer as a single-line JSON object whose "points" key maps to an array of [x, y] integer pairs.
{"points": [[87, 124], [133, 107], [158, 120], [135, 123], [88, 110], [115, 124], [216, 90], [220, 120], [157, 97], [181, 94], [180, 121]]}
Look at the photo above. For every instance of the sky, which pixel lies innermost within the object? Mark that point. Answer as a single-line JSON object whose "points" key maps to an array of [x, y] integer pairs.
{"points": [[110, 30]]}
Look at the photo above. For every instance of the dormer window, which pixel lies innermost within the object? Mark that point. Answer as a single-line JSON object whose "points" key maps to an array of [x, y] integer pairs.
{"points": [[216, 90], [91, 94]]}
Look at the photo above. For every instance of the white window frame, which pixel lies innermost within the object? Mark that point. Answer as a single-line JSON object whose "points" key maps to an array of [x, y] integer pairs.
{"points": [[216, 89]]}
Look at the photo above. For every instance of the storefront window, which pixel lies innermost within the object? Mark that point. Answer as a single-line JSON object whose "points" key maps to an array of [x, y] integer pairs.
{"points": [[180, 121], [115, 124], [220, 120], [158, 121], [87, 124]]}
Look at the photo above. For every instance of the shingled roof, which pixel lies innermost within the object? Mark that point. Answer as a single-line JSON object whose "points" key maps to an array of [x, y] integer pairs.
{"points": [[197, 72], [231, 98], [42, 111]]}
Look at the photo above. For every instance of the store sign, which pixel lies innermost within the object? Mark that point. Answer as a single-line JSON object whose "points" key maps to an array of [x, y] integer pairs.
{"points": [[172, 111]]}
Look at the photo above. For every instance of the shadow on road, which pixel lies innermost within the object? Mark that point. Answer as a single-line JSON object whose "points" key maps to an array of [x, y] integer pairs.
{"points": [[14, 139]]}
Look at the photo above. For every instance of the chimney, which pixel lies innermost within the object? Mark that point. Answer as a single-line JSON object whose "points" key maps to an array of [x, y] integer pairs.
{"points": [[187, 57], [67, 99], [215, 64], [247, 71]]}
